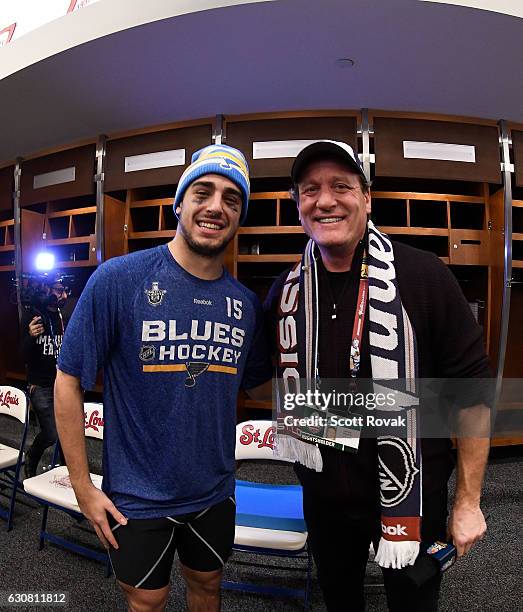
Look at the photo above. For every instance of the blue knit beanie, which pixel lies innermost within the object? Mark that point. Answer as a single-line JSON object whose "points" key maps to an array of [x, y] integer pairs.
{"points": [[217, 159]]}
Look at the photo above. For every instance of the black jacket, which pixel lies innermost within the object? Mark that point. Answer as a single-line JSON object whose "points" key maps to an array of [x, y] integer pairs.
{"points": [[40, 353]]}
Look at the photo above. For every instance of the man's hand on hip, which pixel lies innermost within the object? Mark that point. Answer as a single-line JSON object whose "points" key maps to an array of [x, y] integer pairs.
{"points": [[466, 526], [95, 505]]}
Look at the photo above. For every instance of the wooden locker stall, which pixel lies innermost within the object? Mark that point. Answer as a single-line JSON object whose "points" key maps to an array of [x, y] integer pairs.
{"points": [[517, 201], [271, 142], [57, 197], [512, 390], [437, 178], [467, 151], [141, 173], [272, 237]]}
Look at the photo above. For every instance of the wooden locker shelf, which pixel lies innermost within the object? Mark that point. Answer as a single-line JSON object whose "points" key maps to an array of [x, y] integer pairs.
{"points": [[148, 221], [147, 203], [70, 233], [414, 231], [289, 257], [158, 234], [517, 233], [269, 229], [71, 212], [475, 241]]}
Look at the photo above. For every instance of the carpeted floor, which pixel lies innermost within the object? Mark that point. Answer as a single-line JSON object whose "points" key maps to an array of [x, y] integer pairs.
{"points": [[488, 579]]}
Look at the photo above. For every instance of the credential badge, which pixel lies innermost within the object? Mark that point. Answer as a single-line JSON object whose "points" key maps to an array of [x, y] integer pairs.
{"points": [[155, 294]]}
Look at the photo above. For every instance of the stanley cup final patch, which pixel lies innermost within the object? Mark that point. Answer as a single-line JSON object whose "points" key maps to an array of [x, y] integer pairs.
{"points": [[155, 294]]}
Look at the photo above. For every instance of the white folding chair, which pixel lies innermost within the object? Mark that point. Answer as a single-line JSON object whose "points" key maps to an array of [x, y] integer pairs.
{"points": [[53, 489], [269, 518], [13, 403]]}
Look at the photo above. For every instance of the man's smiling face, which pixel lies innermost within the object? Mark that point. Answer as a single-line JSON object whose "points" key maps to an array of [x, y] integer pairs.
{"points": [[333, 207], [210, 214]]}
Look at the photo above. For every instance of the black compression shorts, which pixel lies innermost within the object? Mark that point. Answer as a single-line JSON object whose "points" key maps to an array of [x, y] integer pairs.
{"points": [[146, 550]]}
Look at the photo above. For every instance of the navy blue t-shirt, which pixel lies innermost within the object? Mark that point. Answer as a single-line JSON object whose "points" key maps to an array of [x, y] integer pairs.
{"points": [[175, 350]]}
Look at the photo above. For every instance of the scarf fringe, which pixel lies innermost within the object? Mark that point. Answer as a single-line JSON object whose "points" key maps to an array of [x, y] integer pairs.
{"points": [[291, 449], [396, 555]]}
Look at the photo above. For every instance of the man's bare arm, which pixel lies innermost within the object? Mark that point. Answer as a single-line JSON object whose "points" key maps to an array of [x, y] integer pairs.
{"points": [[69, 413], [466, 523]]}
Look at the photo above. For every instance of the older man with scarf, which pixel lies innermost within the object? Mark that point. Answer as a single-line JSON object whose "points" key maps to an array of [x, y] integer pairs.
{"points": [[360, 306]]}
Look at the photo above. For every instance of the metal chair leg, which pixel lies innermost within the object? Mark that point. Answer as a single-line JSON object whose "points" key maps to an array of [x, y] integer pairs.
{"points": [[309, 580], [13, 498], [43, 527]]}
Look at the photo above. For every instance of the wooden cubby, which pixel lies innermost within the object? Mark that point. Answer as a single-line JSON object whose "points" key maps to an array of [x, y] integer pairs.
{"points": [[66, 228], [517, 233], [453, 227], [71, 233], [514, 353], [7, 245], [272, 235], [149, 218]]}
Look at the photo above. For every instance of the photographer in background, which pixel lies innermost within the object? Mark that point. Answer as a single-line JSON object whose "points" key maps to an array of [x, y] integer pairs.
{"points": [[43, 326]]}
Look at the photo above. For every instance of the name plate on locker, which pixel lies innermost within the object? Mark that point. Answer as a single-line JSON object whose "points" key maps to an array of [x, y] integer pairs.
{"points": [[276, 149], [150, 161], [439, 150], [57, 177]]}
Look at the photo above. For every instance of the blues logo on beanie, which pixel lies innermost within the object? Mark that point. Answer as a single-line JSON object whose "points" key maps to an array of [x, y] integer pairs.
{"points": [[217, 159]]}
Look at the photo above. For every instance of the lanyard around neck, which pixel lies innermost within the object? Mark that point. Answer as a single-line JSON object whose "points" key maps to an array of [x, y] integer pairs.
{"points": [[359, 318]]}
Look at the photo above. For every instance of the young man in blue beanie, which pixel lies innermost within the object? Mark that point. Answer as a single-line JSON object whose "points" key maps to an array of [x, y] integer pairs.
{"points": [[177, 337]]}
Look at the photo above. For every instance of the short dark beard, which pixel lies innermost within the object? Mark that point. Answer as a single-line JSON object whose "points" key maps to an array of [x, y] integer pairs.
{"points": [[200, 249]]}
